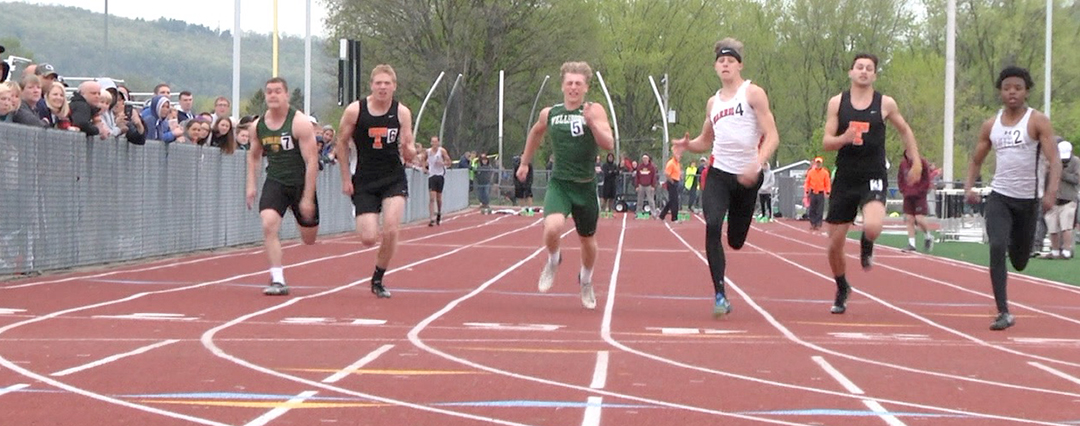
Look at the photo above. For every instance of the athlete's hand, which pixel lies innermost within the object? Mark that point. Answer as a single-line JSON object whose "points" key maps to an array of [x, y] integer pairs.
{"points": [[250, 197], [307, 209], [347, 188], [914, 175], [681, 143], [749, 177], [850, 134], [590, 112], [1048, 201], [971, 196], [523, 172]]}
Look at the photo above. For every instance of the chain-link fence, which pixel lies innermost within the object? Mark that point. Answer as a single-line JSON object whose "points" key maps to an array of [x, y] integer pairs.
{"points": [[67, 200]]}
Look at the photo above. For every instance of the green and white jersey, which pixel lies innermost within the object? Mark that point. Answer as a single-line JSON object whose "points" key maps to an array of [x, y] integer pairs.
{"points": [[574, 145]]}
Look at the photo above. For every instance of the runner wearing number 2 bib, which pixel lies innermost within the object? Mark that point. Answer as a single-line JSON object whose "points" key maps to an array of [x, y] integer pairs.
{"points": [[855, 126]]}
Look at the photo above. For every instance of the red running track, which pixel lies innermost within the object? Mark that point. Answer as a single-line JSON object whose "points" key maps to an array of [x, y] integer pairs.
{"points": [[467, 340]]}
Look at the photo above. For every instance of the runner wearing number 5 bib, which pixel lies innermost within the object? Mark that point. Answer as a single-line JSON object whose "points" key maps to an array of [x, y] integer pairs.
{"points": [[855, 127]]}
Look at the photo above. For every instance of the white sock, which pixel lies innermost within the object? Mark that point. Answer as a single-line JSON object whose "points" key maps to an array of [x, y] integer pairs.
{"points": [[928, 235], [1055, 253], [553, 257], [277, 275], [1066, 253], [911, 241], [586, 275]]}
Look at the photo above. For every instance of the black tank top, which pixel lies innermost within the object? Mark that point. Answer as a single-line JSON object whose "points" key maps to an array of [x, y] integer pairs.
{"points": [[376, 140], [865, 158]]}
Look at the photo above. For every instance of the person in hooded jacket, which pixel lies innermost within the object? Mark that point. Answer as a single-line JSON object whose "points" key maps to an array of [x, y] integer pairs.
{"points": [[156, 120]]}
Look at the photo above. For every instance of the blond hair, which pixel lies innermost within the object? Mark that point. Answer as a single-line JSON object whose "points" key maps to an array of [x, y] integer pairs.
{"points": [[63, 110], [581, 68], [384, 69], [729, 43]]}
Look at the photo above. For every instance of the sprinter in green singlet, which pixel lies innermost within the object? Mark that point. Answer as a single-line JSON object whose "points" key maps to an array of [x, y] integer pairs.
{"points": [[577, 129], [285, 136]]}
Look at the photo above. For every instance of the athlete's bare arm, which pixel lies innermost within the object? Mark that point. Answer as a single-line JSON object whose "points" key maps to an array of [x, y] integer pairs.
{"points": [[304, 132], [445, 157], [758, 100], [407, 146], [831, 141], [532, 142], [982, 149], [597, 120], [254, 160], [1040, 127], [703, 142], [341, 146], [892, 113]]}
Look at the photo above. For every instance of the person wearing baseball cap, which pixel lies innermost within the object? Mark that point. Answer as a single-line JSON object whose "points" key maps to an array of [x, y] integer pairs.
{"points": [[1061, 217]]}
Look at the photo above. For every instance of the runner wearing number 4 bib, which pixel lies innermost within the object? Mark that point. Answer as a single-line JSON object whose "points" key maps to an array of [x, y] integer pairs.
{"points": [[855, 126]]}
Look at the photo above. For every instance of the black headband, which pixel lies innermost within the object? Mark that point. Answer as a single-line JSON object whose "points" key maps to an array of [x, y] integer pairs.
{"points": [[727, 51]]}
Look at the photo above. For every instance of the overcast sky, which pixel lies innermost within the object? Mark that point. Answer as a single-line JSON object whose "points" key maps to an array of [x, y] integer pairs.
{"points": [[256, 15]]}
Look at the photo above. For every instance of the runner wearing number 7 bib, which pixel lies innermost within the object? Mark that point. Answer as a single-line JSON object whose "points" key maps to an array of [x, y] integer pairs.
{"points": [[855, 127]]}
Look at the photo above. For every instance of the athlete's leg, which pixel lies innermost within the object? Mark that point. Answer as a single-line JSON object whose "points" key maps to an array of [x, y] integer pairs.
{"points": [[393, 209], [999, 222], [271, 224], [741, 215], [715, 201]]}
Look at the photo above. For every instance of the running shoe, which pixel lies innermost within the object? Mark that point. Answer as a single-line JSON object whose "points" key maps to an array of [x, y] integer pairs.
{"points": [[1004, 320], [721, 306], [275, 289]]}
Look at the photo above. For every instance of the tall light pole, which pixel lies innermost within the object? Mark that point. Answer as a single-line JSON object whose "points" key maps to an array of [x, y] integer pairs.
{"points": [[236, 61], [1049, 44], [950, 89], [274, 67], [307, 60], [108, 62]]}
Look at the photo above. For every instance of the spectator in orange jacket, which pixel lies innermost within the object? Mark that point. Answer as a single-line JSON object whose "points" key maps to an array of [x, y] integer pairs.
{"points": [[817, 187]]}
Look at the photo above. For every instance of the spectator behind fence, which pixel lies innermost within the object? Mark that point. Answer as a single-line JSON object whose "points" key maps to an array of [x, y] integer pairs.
{"points": [[1061, 217], [84, 106], [136, 132], [107, 126], [221, 108], [196, 131], [7, 105], [484, 173], [20, 114], [645, 181], [610, 172], [157, 122], [673, 172], [693, 182], [817, 187], [768, 185], [56, 113], [224, 137], [30, 96], [183, 109]]}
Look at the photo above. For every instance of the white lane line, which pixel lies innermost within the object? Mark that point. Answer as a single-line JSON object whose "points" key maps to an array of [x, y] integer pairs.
{"points": [[280, 411], [592, 411], [414, 338], [599, 377], [606, 334], [839, 377], [1055, 372], [931, 323], [889, 419], [358, 364], [594, 404], [13, 388], [6, 363], [207, 338], [116, 357], [851, 387], [304, 396]]}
